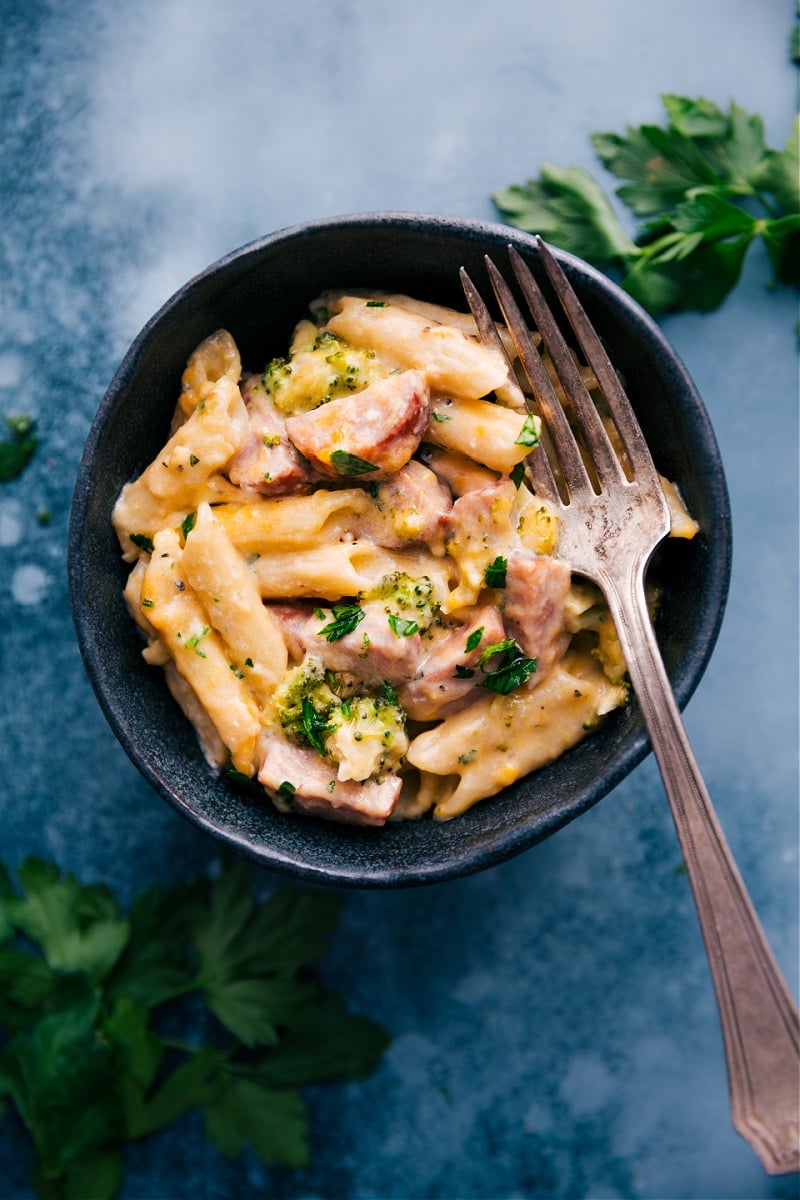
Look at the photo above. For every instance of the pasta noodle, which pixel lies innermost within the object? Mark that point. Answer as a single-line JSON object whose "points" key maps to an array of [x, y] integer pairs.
{"points": [[361, 606]]}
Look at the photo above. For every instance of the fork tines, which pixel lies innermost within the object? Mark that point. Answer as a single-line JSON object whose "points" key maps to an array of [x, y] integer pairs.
{"points": [[608, 465]]}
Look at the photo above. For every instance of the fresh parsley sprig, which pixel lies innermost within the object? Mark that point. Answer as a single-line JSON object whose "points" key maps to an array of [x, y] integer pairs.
{"points": [[85, 1061], [704, 186]]}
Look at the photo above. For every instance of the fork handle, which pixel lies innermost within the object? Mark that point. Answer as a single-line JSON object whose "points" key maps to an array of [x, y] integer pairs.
{"points": [[758, 1015]]}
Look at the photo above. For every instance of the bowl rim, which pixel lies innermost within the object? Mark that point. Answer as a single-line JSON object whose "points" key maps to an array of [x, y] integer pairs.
{"points": [[502, 843]]}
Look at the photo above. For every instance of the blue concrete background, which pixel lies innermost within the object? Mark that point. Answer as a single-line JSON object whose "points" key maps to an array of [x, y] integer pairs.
{"points": [[554, 1028]]}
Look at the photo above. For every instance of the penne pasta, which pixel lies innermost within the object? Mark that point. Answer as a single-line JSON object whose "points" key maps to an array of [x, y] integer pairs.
{"points": [[228, 592], [481, 746], [177, 478], [452, 361], [198, 652], [482, 431]]}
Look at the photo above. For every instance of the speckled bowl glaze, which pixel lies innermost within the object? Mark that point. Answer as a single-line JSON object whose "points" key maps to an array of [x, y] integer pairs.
{"points": [[258, 292]]}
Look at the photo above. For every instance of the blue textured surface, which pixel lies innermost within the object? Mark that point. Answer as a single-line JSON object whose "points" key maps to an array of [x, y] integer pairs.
{"points": [[554, 1026]]}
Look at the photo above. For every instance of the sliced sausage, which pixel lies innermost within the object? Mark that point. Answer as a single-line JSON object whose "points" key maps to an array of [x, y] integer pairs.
{"points": [[372, 651], [267, 462], [298, 778], [369, 435], [534, 602], [412, 506], [448, 674]]}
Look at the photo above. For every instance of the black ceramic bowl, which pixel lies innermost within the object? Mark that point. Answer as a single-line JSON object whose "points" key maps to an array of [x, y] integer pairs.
{"points": [[258, 292]]}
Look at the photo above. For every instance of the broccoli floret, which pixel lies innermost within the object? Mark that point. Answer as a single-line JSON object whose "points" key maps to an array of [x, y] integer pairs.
{"points": [[362, 730], [406, 597], [319, 370], [368, 736]]}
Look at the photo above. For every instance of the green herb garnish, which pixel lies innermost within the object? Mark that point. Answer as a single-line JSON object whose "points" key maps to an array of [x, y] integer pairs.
{"points": [[314, 726], [704, 186], [188, 523], [345, 618], [142, 541], [350, 464], [510, 670], [474, 640], [529, 434], [91, 997], [495, 572], [401, 626], [193, 642], [517, 474]]}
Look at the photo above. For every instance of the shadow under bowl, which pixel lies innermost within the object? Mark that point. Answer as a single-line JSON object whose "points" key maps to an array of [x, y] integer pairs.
{"points": [[258, 292]]}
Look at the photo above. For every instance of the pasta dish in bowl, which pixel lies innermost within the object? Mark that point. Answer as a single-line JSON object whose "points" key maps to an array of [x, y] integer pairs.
{"points": [[331, 551]]}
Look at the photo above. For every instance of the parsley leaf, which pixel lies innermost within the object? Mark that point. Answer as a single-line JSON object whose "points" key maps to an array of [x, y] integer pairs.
{"points": [[271, 1120], [511, 668], [495, 572], [474, 640], [77, 927], [143, 541], [530, 433], [346, 463], [345, 618], [402, 626], [314, 726], [704, 186], [86, 1068]]}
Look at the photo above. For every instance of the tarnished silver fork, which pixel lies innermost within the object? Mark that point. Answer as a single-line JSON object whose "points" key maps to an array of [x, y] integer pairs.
{"points": [[611, 518]]}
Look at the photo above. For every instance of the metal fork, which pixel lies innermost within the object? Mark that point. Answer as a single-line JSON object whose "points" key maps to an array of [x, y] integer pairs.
{"points": [[612, 517]]}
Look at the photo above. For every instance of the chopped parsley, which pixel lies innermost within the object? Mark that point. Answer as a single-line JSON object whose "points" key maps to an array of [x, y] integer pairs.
{"points": [[349, 464], [495, 572], [193, 643], [495, 648], [188, 524], [529, 434], [142, 541], [512, 667], [474, 640], [314, 726], [345, 619], [401, 626], [517, 474]]}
